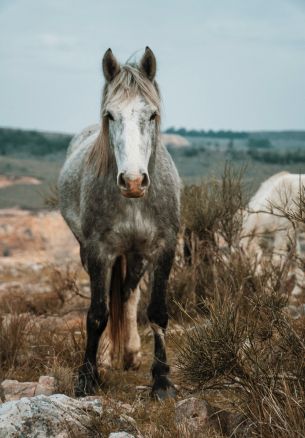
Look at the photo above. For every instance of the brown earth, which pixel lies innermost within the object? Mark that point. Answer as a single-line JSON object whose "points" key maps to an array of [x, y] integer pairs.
{"points": [[6, 181], [35, 237]]}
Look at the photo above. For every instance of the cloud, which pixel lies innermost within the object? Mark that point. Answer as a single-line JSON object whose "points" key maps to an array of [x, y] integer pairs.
{"points": [[56, 41]]}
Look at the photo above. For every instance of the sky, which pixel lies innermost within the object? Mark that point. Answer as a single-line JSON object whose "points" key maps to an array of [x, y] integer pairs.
{"points": [[222, 64]]}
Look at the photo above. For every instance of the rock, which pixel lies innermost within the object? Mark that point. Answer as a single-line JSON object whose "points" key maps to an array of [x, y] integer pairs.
{"points": [[142, 387], [46, 386], [196, 415], [14, 390], [120, 435], [193, 413], [295, 311], [49, 417], [128, 419], [175, 140]]}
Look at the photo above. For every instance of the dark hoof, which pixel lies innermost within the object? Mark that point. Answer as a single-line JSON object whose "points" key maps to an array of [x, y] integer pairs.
{"points": [[163, 389], [87, 384]]}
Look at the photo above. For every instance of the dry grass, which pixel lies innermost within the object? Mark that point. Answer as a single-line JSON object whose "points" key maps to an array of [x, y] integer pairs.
{"points": [[239, 348], [29, 350], [244, 342]]}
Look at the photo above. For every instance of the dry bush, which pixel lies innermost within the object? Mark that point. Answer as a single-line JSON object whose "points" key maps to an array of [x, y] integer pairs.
{"points": [[255, 352], [50, 197], [242, 341], [211, 212], [60, 289], [63, 282], [29, 350], [12, 339], [215, 207]]}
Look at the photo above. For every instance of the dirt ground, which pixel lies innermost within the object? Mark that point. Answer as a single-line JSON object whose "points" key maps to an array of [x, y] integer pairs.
{"points": [[44, 295]]}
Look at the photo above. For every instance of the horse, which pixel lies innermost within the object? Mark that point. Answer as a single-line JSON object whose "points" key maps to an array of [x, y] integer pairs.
{"points": [[265, 220], [119, 192]]}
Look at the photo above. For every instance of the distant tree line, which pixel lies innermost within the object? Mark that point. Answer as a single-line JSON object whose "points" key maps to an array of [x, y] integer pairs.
{"points": [[273, 157], [17, 141], [259, 143], [210, 133]]}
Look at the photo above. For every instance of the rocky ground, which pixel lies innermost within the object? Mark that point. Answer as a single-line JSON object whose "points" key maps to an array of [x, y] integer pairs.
{"points": [[44, 294]]}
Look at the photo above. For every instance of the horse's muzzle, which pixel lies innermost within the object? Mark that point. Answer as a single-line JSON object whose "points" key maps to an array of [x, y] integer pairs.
{"points": [[133, 186]]}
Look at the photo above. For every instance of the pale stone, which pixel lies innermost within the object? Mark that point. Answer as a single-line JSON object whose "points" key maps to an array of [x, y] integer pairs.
{"points": [[48, 417], [46, 386], [193, 412], [120, 435]]}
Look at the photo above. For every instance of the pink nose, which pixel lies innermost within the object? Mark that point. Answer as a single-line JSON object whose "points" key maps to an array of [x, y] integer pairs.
{"points": [[133, 186]]}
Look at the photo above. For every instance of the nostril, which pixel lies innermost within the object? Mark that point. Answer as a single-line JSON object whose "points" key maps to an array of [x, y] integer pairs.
{"points": [[145, 180], [122, 181]]}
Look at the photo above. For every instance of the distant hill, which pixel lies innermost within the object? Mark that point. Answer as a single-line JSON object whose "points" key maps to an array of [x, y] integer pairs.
{"points": [[31, 160], [210, 133], [23, 143], [35, 143], [232, 135]]}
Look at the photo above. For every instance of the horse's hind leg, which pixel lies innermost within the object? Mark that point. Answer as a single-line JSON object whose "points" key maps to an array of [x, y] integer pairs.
{"points": [[106, 349], [132, 341], [97, 318], [158, 317], [136, 267]]}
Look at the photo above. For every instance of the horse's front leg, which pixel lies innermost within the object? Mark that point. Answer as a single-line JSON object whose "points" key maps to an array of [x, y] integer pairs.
{"points": [[97, 317], [158, 317]]}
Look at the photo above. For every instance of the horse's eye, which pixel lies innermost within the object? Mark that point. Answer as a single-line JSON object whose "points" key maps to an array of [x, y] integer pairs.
{"points": [[109, 116], [153, 116]]}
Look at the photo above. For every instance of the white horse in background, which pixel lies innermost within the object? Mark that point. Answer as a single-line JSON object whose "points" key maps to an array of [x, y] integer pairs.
{"points": [[264, 221]]}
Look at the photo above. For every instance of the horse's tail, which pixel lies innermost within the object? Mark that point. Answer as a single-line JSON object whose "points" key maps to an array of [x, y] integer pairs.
{"points": [[116, 303]]}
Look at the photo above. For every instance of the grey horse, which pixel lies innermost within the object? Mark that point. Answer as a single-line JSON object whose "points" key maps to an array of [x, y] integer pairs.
{"points": [[119, 193]]}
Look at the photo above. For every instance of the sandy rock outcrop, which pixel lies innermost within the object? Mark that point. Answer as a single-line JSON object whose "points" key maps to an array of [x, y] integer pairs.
{"points": [[175, 140], [15, 390], [39, 237]]}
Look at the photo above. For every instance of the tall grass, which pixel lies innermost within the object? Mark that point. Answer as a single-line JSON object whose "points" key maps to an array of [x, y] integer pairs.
{"points": [[243, 341]]}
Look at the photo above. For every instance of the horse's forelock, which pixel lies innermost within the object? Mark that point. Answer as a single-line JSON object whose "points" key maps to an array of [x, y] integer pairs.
{"points": [[129, 83]]}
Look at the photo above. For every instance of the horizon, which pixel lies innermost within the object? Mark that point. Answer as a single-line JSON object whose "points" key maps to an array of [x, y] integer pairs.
{"points": [[163, 131], [221, 66]]}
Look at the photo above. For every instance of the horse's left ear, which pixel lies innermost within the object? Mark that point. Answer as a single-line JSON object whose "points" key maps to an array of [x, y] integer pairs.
{"points": [[148, 64]]}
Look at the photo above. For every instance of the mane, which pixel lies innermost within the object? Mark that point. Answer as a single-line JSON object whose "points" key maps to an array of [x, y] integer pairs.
{"points": [[127, 84]]}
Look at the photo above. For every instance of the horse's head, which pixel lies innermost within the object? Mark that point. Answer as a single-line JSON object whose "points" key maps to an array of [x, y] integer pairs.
{"points": [[131, 112]]}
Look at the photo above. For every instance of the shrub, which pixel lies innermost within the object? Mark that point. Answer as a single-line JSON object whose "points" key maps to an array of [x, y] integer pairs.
{"points": [[259, 143]]}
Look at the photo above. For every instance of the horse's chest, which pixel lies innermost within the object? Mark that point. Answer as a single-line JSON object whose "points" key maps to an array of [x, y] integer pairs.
{"points": [[135, 231]]}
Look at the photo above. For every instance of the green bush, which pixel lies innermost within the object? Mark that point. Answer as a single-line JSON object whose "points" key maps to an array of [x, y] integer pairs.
{"points": [[259, 143], [19, 142]]}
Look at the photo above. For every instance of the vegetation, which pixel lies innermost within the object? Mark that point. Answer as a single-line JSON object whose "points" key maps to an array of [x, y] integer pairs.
{"points": [[236, 340], [275, 157], [210, 133], [259, 143], [21, 142], [243, 342], [40, 155]]}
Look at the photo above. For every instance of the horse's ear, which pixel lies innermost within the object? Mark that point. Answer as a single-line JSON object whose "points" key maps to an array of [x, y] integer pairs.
{"points": [[111, 67], [148, 64]]}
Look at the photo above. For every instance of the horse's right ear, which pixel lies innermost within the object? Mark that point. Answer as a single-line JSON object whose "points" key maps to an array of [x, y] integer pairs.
{"points": [[111, 67]]}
